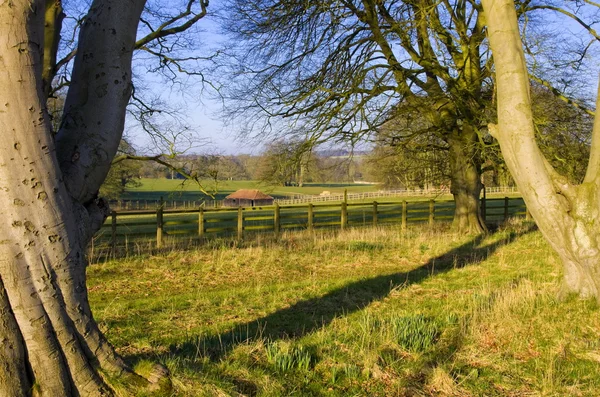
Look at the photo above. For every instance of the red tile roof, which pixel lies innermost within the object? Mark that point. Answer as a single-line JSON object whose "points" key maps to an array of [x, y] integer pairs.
{"points": [[250, 194]]}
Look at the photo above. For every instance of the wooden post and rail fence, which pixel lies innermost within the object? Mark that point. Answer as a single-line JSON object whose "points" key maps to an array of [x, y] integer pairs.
{"points": [[201, 223], [181, 203]]}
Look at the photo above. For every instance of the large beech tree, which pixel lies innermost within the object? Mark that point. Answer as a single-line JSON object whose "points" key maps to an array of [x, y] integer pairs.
{"points": [[49, 181], [568, 214], [342, 69]]}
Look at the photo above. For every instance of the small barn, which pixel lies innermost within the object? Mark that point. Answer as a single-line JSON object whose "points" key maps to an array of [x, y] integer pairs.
{"points": [[247, 198]]}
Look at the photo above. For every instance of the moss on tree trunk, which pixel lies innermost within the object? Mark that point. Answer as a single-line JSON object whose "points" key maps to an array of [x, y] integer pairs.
{"points": [[465, 176]]}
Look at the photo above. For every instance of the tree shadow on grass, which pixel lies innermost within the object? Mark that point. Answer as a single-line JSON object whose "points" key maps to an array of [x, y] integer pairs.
{"points": [[309, 315]]}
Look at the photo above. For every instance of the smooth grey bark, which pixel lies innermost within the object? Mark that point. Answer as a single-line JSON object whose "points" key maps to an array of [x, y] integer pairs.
{"points": [[13, 368], [566, 214], [94, 112], [51, 344]]}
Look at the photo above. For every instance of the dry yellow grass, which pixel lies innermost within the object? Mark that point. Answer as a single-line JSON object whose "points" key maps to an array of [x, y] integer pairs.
{"points": [[376, 312]]}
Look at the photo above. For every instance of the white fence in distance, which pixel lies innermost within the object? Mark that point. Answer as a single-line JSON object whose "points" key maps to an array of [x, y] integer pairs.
{"points": [[298, 199], [382, 194]]}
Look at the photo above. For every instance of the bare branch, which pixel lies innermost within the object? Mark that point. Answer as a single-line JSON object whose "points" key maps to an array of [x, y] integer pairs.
{"points": [[167, 29], [160, 159], [561, 96], [569, 14], [53, 24]]}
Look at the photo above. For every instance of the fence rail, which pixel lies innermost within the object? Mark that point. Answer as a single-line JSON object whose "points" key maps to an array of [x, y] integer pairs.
{"points": [[153, 226], [140, 205], [382, 194]]}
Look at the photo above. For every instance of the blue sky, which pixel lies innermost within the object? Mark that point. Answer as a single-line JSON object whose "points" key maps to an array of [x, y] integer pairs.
{"points": [[202, 112]]}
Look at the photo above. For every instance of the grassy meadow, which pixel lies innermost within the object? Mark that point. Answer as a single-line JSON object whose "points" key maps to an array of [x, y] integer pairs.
{"points": [[364, 312], [175, 189]]}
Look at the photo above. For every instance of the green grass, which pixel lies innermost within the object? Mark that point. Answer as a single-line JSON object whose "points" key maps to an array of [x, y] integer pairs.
{"points": [[137, 233], [366, 312], [175, 189], [152, 189]]}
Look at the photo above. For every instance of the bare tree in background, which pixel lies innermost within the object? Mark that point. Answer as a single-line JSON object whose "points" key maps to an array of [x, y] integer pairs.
{"points": [[341, 70], [408, 153], [284, 163], [337, 70]]}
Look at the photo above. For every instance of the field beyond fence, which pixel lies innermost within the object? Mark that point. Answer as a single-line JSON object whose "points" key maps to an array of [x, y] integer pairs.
{"points": [[124, 231], [184, 204], [367, 312]]}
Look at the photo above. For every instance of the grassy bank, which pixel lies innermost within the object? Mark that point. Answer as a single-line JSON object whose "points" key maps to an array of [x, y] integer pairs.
{"points": [[367, 312]]}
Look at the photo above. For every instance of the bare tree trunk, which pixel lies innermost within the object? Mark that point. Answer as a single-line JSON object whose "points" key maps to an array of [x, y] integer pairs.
{"points": [[51, 345], [42, 263], [13, 371], [465, 169], [573, 233], [581, 274], [44, 296], [43, 276], [568, 215]]}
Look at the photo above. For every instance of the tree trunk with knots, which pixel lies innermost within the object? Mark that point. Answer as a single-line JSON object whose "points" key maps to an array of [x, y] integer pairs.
{"points": [[567, 214], [465, 176], [51, 345]]}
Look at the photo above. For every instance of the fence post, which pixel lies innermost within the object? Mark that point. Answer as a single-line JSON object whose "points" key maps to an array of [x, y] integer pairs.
{"points": [[431, 211], [484, 205], [505, 209], [276, 221], [240, 224], [159, 224], [374, 213], [201, 222], [404, 214], [113, 235], [344, 220], [310, 217]]}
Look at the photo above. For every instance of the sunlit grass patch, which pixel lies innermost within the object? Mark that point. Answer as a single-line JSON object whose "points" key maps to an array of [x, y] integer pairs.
{"points": [[366, 312]]}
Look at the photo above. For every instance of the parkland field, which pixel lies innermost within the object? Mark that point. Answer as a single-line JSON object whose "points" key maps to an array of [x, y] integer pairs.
{"points": [[188, 222], [175, 189], [388, 310], [360, 312]]}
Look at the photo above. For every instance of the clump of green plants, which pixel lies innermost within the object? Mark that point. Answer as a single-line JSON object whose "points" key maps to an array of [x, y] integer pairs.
{"points": [[351, 371], [415, 333], [285, 357], [345, 371]]}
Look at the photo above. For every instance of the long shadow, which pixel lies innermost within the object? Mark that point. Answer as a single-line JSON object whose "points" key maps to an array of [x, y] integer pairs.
{"points": [[309, 315]]}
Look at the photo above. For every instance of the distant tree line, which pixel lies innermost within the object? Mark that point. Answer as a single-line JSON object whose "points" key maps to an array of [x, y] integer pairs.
{"points": [[406, 154], [402, 155], [281, 163]]}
